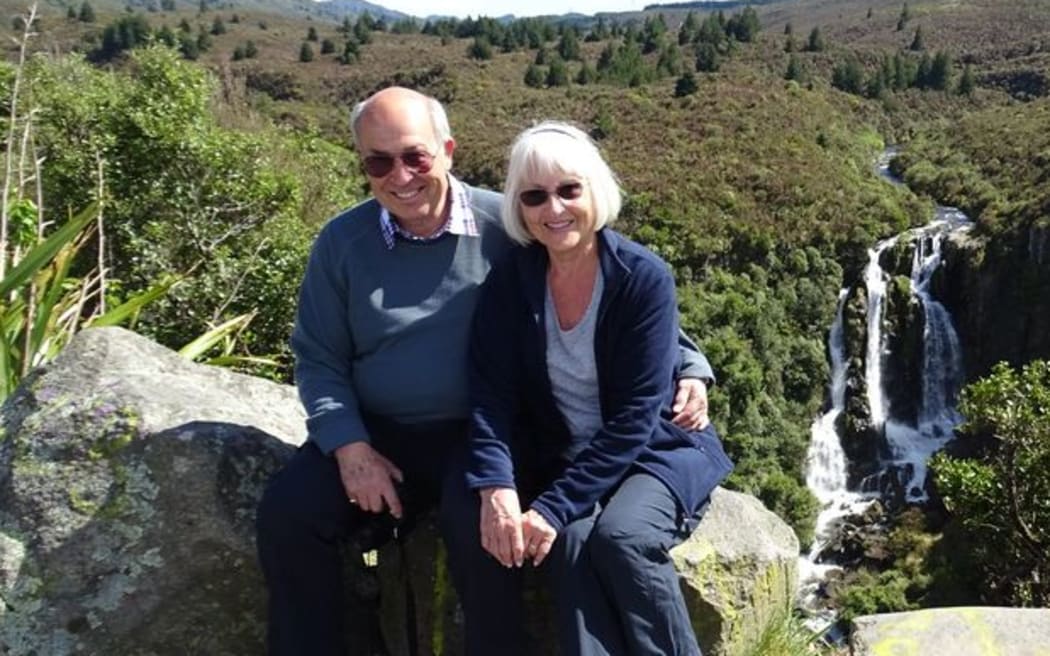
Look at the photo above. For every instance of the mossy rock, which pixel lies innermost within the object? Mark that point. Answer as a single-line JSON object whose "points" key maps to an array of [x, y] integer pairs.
{"points": [[735, 583]]}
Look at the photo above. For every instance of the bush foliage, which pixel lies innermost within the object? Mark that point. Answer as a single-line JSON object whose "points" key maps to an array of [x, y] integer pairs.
{"points": [[1000, 501], [234, 211]]}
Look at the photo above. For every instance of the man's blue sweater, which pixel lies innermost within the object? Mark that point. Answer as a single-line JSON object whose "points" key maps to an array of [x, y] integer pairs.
{"points": [[385, 331]]}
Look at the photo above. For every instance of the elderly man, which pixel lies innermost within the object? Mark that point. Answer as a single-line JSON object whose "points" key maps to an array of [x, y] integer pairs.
{"points": [[380, 342]]}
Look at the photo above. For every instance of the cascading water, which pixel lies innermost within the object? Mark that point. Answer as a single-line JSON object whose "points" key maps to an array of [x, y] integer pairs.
{"points": [[908, 444], [941, 374], [875, 282], [826, 476], [826, 470]]}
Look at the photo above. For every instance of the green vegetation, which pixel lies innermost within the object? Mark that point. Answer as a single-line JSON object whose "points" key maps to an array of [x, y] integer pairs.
{"points": [[787, 635], [992, 164], [900, 573], [86, 14], [1000, 501], [225, 209], [745, 148], [43, 303]]}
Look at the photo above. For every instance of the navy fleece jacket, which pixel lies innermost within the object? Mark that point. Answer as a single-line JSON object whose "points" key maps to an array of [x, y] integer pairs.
{"points": [[516, 428]]}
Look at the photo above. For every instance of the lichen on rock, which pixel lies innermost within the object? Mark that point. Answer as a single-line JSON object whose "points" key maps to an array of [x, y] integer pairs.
{"points": [[128, 481]]}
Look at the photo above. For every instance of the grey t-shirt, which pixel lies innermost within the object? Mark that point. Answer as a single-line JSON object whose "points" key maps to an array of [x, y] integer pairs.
{"points": [[572, 370]]}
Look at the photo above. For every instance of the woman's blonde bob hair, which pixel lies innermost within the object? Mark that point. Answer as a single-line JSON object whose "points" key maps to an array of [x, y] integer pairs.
{"points": [[557, 148]]}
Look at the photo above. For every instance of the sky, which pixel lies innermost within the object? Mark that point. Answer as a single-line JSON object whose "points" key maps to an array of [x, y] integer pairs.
{"points": [[520, 8]]}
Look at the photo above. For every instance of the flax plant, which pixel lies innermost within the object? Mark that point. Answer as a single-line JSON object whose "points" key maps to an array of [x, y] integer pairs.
{"points": [[42, 304], [223, 338]]}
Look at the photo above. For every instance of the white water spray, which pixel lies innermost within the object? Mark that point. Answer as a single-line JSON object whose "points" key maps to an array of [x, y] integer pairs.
{"points": [[942, 374], [875, 283]]}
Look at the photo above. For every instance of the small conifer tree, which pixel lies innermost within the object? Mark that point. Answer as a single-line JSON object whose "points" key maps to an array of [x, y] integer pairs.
{"points": [[685, 85], [816, 41], [557, 74], [917, 42], [707, 58], [87, 13], [351, 52], [480, 48], [966, 82], [534, 76]]}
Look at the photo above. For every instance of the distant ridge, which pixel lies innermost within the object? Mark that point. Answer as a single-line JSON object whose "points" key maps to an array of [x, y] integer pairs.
{"points": [[510, 18], [340, 8], [709, 4]]}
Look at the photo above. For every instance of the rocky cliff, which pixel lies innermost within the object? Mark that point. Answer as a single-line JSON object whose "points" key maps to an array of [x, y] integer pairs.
{"points": [[998, 292]]}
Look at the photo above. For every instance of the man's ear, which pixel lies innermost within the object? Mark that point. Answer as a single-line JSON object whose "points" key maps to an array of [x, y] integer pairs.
{"points": [[450, 147]]}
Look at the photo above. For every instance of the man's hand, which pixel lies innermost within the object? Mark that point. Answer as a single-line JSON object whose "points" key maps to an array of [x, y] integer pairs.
{"points": [[690, 404], [501, 525], [368, 478], [539, 536]]}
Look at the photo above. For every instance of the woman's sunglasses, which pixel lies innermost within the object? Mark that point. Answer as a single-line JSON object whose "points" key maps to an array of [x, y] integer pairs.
{"points": [[378, 166], [537, 197]]}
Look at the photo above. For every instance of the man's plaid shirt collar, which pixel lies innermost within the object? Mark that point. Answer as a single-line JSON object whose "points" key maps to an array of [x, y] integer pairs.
{"points": [[460, 219]]}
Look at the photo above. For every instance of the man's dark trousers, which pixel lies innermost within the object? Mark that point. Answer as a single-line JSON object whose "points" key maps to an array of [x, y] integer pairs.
{"points": [[305, 514]]}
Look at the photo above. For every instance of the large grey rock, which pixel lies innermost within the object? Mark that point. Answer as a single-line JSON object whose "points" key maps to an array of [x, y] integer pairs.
{"points": [[964, 631], [128, 483], [738, 573], [129, 479]]}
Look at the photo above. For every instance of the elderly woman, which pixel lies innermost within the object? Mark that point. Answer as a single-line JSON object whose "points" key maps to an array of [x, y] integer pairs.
{"points": [[573, 463]]}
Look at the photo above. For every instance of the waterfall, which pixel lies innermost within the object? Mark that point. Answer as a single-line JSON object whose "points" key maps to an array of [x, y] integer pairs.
{"points": [[909, 445], [826, 466], [941, 374], [875, 282], [942, 355], [826, 462]]}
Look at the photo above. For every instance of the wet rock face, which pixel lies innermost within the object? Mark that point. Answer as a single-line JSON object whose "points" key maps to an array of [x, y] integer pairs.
{"points": [[860, 439], [999, 295], [902, 372], [858, 540]]}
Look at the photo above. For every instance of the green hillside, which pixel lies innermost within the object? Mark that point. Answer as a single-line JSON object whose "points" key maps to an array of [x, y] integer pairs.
{"points": [[745, 142]]}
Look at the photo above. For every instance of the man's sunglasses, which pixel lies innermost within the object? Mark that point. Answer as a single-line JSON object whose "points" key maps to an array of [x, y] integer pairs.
{"points": [[378, 166], [537, 197]]}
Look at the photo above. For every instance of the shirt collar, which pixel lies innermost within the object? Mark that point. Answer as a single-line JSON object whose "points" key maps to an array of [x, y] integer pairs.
{"points": [[461, 220]]}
